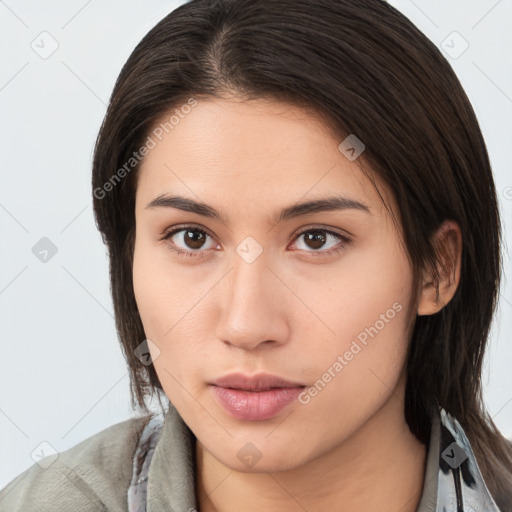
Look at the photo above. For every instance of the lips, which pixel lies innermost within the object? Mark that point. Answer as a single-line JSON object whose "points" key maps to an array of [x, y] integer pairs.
{"points": [[255, 398], [260, 382]]}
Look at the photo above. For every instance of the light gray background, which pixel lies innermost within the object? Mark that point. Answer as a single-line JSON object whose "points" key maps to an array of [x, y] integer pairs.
{"points": [[62, 375]]}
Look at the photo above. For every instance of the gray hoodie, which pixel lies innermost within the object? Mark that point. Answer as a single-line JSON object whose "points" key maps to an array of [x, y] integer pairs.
{"points": [[148, 464]]}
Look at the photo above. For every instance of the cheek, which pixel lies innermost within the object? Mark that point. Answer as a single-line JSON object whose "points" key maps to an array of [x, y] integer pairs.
{"points": [[364, 316], [170, 320], [157, 298], [361, 287], [159, 290]]}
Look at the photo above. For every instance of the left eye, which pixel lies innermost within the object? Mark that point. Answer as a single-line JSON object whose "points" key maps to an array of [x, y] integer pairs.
{"points": [[193, 240], [317, 238]]}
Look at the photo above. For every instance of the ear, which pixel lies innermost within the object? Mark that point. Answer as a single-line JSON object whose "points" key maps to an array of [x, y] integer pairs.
{"points": [[448, 243]]}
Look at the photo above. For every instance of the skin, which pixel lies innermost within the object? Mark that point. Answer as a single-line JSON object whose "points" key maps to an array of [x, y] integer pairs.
{"points": [[291, 312]]}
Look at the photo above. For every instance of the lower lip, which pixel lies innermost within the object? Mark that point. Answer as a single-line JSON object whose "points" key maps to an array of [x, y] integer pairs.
{"points": [[255, 405]]}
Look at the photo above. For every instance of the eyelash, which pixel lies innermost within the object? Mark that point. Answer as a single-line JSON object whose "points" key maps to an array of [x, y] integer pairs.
{"points": [[200, 253]]}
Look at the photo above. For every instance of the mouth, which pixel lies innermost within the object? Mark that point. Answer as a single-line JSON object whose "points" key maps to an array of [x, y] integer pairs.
{"points": [[255, 398]]}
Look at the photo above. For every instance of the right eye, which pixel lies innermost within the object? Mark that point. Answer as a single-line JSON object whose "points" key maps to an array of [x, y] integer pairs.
{"points": [[191, 238]]}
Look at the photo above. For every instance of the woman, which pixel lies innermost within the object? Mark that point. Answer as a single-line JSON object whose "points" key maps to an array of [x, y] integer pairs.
{"points": [[304, 248]]}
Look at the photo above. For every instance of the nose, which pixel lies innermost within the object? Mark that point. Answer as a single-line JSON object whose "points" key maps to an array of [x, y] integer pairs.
{"points": [[252, 306]]}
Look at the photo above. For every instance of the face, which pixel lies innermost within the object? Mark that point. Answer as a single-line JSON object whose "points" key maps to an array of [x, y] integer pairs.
{"points": [[317, 297]]}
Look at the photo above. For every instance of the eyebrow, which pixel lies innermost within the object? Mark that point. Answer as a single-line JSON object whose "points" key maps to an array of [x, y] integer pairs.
{"points": [[295, 210]]}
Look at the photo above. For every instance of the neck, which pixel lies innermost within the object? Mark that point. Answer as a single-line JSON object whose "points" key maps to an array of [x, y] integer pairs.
{"points": [[381, 467]]}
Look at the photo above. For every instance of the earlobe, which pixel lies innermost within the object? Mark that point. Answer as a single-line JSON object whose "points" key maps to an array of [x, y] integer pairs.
{"points": [[433, 298]]}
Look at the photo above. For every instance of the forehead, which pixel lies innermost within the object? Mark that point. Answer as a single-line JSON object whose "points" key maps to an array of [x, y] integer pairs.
{"points": [[256, 152]]}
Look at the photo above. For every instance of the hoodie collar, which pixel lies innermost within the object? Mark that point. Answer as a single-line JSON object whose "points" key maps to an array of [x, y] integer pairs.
{"points": [[461, 486], [164, 469]]}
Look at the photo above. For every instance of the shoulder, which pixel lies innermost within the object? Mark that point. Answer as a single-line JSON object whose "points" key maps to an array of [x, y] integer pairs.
{"points": [[94, 475]]}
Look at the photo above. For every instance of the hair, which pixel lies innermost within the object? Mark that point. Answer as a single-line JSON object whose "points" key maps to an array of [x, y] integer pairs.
{"points": [[366, 70]]}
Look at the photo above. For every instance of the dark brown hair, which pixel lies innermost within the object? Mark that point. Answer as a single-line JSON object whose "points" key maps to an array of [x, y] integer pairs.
{"points": [[367, 70]]}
